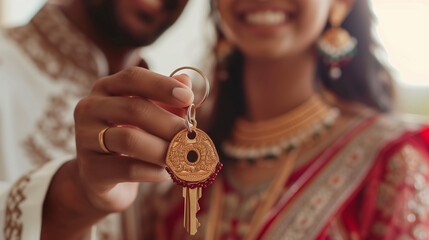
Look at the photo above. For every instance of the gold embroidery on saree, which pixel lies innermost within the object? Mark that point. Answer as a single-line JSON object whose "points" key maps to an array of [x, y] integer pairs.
{"points": [[406, 172], [311, 209]]}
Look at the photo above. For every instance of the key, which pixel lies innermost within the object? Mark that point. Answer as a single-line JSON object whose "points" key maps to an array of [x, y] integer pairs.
{"points": [[192, 163], [192, 160], [190, 221]]}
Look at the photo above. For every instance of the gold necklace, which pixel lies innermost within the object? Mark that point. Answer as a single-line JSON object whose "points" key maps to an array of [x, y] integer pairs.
{"points": [[251, 141], [275, 138], [269, 198]]}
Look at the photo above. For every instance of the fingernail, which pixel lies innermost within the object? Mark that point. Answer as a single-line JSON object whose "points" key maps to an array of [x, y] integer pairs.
{"points": [[184, 95]]}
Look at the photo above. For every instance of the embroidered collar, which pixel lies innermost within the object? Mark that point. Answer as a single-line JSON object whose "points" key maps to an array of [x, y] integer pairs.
{"points": [[58, 36]]}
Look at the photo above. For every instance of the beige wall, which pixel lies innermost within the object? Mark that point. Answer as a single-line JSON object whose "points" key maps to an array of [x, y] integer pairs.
{"points": [[413, 98], [1, 13], [18, 12]]}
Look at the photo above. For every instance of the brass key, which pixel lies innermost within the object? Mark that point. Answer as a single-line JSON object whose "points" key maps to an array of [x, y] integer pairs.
{"points": [[192, 160], [190, 221], [193, 163]]}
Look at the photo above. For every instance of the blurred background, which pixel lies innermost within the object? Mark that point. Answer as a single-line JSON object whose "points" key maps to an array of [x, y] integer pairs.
{"points": [[402, 28]]}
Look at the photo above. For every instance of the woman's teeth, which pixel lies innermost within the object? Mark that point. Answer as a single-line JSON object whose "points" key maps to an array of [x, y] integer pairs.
{"points": [[266, 18], [153, 3]]}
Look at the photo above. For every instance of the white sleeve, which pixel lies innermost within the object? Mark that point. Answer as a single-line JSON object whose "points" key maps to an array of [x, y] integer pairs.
{"points": [[21, 203]]}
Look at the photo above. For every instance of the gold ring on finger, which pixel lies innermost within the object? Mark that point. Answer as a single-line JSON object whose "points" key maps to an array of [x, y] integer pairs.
{"points": [[101, 140]]}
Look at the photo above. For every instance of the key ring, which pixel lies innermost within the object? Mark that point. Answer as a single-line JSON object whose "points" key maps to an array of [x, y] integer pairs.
{"points": [[190, 120], [192, 160]]}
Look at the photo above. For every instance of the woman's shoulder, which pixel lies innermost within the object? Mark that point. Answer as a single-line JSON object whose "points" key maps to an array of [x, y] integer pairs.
{"points": [[407, 153], [385, 123], [391, 127], [400, 143], [405, 126], [387, 134], [402, 174]]}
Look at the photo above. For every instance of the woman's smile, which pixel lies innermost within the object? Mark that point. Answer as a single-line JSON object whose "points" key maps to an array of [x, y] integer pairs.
{"points": [[273, 28], [265, 21], [265, 17]]}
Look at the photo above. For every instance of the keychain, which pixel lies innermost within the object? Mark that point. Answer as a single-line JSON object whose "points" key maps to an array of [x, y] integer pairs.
{"points": [[192, 160]]}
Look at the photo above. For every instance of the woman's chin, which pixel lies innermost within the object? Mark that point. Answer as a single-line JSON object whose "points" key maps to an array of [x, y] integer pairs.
{"points": [[266, 53]]}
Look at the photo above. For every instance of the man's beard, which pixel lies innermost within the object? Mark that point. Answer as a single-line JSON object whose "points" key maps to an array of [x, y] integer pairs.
{"points": [[107, 23]]}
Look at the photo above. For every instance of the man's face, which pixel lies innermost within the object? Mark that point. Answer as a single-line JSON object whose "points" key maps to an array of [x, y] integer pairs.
{"points": [[133, 23]]}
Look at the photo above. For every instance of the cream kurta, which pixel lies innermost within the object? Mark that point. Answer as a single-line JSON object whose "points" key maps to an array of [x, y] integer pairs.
{"points": [[46, 66]]}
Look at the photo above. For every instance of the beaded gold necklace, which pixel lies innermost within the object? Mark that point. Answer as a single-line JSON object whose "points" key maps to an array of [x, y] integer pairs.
{"points": [[251, 141]]}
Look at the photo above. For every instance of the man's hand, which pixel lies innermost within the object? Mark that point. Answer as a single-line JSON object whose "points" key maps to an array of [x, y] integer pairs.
{"points": [[99, 183]]}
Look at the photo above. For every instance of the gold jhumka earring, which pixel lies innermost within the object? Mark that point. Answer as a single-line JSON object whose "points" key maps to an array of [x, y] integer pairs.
{"points": [[336, 47]]}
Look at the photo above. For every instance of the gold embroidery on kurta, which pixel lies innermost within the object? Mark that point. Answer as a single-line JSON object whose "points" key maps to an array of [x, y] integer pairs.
{"points": [[13, 225], [60, 51]]}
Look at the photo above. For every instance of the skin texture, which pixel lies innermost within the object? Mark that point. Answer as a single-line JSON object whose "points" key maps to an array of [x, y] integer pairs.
{"points": [[144, 139], [281, 55], [85, 190], [129, 23], [120, 27], [95, 184], [279, 69], [279, 61], [307, 20]]}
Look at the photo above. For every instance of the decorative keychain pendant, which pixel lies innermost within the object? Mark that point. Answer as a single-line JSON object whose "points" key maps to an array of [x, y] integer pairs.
{"points": [[192, 162], [192, 157]]}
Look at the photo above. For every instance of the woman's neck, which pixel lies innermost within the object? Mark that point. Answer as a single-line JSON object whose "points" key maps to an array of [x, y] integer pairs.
{"points": [[275, 86]]}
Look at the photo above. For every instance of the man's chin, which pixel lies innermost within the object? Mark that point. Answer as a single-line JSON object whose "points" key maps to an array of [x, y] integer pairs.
{"points": [[109, 26], [131, 41]]}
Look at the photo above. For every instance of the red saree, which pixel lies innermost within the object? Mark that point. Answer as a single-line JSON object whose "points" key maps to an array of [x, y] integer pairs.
{"points": [[372, 183]]}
